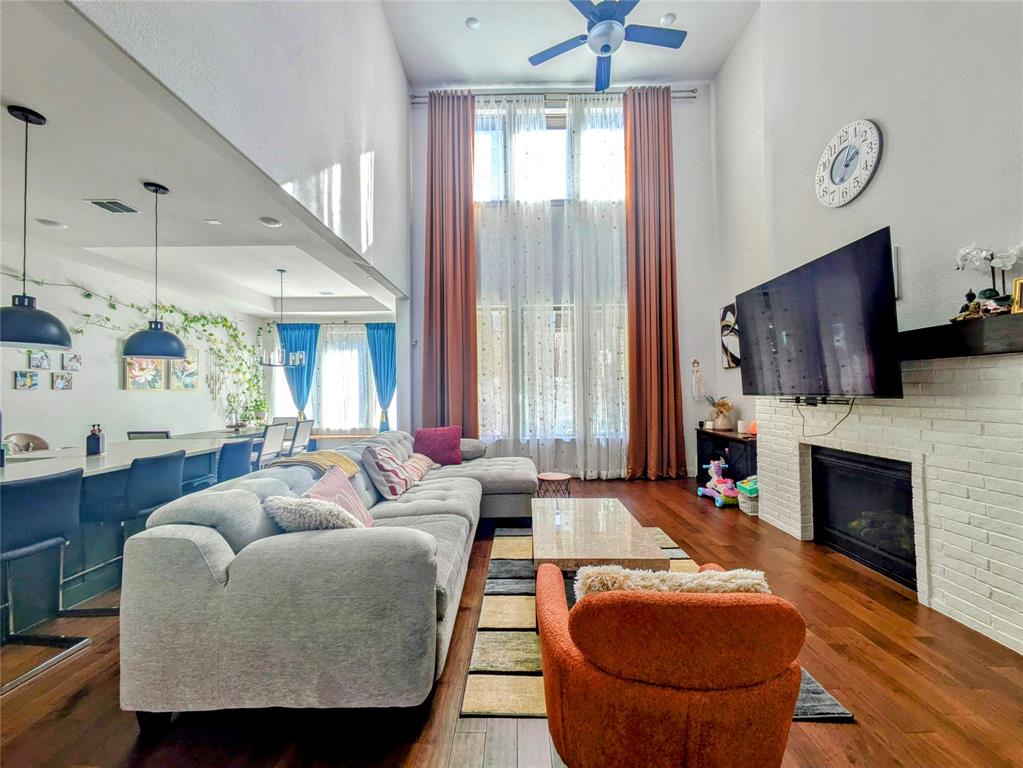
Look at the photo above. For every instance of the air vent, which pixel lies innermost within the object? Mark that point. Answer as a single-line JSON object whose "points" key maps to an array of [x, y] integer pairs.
{"points": [[113, 206]]}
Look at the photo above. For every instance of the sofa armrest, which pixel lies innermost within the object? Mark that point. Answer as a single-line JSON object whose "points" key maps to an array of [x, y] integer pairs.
{"points": [[171, 594], [331, 618]]}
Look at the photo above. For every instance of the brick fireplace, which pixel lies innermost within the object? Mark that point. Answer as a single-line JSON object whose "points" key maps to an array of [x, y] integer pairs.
{"points": [[960, 430]]}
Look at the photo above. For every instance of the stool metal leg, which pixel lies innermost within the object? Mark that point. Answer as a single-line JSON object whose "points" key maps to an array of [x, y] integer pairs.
{"points": [[69, 644], [82, 613]]}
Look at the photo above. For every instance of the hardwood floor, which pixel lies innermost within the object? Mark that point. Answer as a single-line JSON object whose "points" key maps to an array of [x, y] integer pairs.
{"points": [[926, 691]]}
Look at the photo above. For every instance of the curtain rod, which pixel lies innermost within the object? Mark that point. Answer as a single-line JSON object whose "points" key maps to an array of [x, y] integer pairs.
{"points": [[686, 94]]}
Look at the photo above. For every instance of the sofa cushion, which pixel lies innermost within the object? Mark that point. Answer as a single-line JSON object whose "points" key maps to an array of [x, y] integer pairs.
{"points": [[418, 466], [298, 479], [452, 496], [442, 444], [400, 442], [386, 471], [452, 533], [471, 448], [236, 514], [303, 513], [336, 488], [508, 474]]}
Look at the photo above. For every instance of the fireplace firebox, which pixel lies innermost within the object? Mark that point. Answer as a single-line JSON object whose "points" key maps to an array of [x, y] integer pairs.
{"points": [[863, 508]]}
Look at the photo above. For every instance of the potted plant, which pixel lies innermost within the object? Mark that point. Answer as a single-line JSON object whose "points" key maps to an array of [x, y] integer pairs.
{"points": [[722, 407]]}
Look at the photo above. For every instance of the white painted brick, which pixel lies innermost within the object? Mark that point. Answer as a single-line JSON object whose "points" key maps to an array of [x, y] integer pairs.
{"points": [[997, 429], [999, 485], [1002, 541]]}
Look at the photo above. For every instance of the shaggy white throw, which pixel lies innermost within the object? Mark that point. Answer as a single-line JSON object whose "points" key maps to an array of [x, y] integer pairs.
{"points": [[298, 513], [606, 578]]}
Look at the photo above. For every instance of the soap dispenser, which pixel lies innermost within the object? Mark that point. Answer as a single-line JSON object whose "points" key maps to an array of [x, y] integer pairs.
{"points": [[96, 442]]}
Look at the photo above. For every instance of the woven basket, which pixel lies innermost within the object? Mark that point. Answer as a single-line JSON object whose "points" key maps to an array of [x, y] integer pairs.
{"points": [[749, 504]]}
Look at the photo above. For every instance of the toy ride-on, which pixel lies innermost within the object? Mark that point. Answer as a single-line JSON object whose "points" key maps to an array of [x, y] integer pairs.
{"points": [[719, 487]]}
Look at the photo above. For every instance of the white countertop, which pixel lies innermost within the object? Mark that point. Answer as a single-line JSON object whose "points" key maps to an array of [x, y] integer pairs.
{"points": [[118, 456]]}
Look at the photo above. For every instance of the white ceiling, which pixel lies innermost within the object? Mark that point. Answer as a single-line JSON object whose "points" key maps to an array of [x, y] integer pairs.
{"points": [[111, 127], [438, 50]]}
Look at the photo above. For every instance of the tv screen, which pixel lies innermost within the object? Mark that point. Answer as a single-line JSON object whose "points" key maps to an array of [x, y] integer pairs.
{"points": [[826, 328]]}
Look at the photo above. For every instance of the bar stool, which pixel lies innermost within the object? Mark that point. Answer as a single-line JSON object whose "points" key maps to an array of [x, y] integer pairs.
{"points": [[35, 515], [152, 482], [235, 459]]}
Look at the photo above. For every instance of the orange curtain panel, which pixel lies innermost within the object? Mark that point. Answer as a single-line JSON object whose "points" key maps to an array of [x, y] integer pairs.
{"points": [[656, 442], [449, 311]]}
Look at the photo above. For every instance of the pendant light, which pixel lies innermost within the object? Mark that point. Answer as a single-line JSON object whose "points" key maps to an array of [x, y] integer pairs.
{"points": [[281, 358], [155, 341], [21, 324]]}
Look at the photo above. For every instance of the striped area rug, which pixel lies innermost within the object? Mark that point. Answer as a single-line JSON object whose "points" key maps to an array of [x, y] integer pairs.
{"points": [[505, 678]]}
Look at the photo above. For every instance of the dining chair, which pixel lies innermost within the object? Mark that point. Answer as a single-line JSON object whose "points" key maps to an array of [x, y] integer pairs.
{"points": [[155, 434], [300, 442], [23, 442], [234, 460], [152, 482], [272, 445], [35, 515], [291, 421]]}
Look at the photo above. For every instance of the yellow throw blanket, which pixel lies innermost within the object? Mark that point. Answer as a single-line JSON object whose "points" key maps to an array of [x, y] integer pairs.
{"points": [[320, 462]]}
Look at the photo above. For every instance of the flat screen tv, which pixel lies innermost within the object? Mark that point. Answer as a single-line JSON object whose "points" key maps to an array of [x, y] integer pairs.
{"points": [[827, 328]]}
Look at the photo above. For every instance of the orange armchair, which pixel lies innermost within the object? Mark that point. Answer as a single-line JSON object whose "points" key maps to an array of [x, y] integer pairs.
{"points": [[651, 679]]}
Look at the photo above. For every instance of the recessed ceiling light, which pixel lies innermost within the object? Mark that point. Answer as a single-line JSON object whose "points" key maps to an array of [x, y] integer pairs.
{"points": [[326, 293], [51, 224], [270, 221], [213, 222], [472, 23], [668, 19]]}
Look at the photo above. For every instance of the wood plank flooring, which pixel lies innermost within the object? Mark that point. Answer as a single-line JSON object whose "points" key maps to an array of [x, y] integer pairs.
{"points": [[927, 692]]}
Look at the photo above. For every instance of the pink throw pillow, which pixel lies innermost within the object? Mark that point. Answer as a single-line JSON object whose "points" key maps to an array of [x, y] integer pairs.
{"points": [[442, 444], [418, 466], [336, 488]]}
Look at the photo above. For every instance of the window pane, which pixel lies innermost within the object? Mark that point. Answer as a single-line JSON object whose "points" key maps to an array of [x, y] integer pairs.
{"points": [[602, 165]]}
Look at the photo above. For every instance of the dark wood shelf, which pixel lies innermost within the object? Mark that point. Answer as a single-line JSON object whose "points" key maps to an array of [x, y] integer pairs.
{"points": [[731, 434], [999, 335]]}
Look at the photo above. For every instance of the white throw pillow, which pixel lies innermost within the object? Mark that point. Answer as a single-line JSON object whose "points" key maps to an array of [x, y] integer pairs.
{"points": [[607, 578], [298, 513]]}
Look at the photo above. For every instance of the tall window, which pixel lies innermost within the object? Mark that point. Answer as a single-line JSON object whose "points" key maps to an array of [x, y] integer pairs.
{"points": [[344, 393], [551, 297]]}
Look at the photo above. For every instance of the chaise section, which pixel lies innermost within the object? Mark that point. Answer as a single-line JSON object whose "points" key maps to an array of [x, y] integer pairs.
{"points": [[509, 482]]}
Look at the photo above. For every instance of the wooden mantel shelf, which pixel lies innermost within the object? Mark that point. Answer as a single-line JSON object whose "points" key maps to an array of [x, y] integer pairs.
{"points": [[999, 335]]}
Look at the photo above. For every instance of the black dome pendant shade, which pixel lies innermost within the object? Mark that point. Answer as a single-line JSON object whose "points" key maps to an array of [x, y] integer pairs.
{"points": [[22, 324], [154, 341]]}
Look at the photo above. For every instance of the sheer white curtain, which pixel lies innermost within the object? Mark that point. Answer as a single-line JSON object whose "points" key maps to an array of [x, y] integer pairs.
{"points": [[551, 284], [595, 246]]}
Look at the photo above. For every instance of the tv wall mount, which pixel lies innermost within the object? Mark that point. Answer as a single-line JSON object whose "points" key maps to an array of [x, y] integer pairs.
{"points": [[813, 401]]}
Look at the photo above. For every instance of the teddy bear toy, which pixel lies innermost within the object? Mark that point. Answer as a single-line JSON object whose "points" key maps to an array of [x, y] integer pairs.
{"points": [[719, 487]]}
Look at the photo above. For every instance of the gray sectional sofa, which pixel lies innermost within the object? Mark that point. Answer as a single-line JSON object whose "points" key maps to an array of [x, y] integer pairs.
{"points": [[220, 609]]}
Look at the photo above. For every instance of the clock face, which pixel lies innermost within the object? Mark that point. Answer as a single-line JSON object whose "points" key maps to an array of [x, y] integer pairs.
{"points": [[848, 163]]}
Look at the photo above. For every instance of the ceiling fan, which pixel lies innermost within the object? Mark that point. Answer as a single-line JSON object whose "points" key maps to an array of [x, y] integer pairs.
{"points": [[605, 33]]}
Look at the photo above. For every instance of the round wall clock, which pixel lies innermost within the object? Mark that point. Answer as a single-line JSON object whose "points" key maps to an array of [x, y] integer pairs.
{"points": [[848, 163]]}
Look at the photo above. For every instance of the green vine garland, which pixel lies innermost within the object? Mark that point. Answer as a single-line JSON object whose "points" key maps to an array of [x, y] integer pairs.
{"points": [[238, 360]]}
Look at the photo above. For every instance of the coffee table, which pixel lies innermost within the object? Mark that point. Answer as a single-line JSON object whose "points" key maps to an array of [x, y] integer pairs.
{"points": [[571, 533]]}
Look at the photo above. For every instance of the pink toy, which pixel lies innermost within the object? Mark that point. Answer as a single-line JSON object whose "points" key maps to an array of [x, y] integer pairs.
{"points": [[719, 487]]}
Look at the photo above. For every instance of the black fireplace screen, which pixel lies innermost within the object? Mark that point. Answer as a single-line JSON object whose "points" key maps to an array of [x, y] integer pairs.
{"points": [[863, 507]]}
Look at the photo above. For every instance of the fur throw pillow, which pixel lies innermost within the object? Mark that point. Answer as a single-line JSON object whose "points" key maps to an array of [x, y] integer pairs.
{"points": [[607, 578], [297, 513]]}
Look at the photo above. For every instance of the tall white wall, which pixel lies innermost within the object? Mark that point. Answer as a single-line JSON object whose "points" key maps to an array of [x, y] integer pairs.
{"points": [[943, 82], [62, 418]]}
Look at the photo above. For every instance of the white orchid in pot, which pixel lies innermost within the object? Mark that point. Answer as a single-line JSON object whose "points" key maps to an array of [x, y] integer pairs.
{"points": [[983, 258]]}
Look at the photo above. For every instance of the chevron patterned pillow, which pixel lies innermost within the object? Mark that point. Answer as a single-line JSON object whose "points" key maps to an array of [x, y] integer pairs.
{"points": [[386, 471]]}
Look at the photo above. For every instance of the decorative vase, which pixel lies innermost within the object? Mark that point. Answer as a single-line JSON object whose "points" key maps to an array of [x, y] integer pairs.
{"points": [[722, 421]]}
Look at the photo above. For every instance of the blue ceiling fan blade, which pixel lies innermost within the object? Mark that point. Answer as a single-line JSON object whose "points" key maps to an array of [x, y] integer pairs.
{"points": [[585, 7], [668, 38], [603, 79], [557, 50], [625, 8]]}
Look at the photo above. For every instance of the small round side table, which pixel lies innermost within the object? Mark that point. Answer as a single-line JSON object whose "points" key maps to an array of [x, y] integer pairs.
{"points": [[554, 485]]}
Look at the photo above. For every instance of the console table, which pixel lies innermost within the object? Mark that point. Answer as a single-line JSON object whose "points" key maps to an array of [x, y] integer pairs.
{"points": [[738, 450]]}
